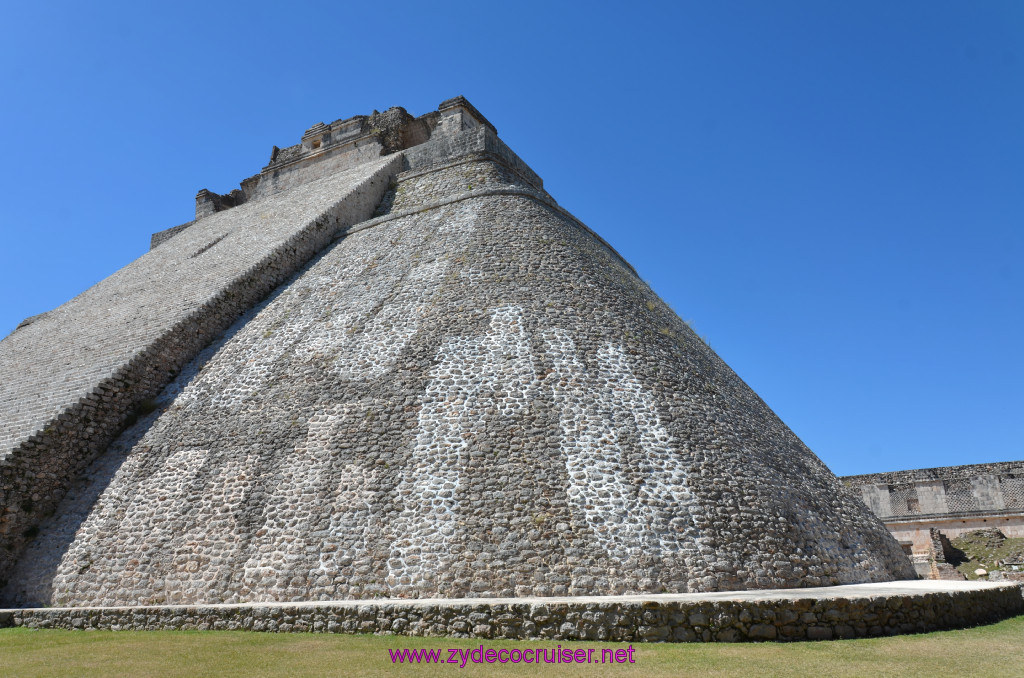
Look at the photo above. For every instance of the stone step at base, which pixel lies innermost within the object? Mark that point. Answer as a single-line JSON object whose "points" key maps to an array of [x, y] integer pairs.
{"points": [[860, 610]]}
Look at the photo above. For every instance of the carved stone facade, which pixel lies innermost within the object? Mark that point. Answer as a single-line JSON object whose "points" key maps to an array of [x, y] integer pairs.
{"points": [[950, 499]]}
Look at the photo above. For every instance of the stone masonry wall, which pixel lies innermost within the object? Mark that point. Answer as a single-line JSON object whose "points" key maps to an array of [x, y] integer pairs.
{"points": [[654, 619], [122, 340], [474, 172], [478, 398], [463, 142], [475, 175]]}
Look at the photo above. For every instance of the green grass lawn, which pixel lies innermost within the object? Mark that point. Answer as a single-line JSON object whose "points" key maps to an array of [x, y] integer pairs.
{"points": [[996, 650]]}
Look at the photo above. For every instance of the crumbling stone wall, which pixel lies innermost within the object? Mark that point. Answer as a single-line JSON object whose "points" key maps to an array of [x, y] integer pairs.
{"points": [[163, 236], [939, 557]]}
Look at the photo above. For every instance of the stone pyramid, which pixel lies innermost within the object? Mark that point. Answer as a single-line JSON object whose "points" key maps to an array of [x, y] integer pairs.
{"points": [[390, 365]]}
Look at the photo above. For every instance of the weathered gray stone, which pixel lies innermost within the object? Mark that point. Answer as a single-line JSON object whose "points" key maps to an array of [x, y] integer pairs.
{"points": [[819, 633], [468, 395], [935, 605]]}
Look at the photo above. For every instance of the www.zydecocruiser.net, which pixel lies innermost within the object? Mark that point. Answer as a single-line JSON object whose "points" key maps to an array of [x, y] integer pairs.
{"points": [[461, 657]]}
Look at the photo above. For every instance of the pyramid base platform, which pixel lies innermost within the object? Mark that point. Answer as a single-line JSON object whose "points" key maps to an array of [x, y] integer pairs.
{"points": [[826, 613]]}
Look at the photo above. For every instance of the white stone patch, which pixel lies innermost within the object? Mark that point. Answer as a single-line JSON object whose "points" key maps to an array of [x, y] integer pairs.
{"points": [[663, 494], [473, 374], [314, 319], [626, 520], [287, 546], [360, 329], [210, 540], [375, 349], [249, 355], [355, 519]]}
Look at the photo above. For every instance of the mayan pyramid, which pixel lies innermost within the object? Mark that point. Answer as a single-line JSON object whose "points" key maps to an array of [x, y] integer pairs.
{"points": [[390, 365]]}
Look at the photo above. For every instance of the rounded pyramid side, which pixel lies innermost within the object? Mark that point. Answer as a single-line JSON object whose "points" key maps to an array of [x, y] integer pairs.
{"points": [[472, 397]]}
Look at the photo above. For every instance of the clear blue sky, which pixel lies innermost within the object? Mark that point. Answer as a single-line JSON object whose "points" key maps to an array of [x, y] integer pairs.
{"points": [[831, 192]]}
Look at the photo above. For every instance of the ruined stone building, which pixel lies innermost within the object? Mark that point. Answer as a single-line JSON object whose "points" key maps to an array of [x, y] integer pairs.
{"points": [[391, 365], [920, 505]]}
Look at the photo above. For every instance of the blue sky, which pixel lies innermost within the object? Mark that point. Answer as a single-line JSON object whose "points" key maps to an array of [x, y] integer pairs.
{"points": [[832, 193]]}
